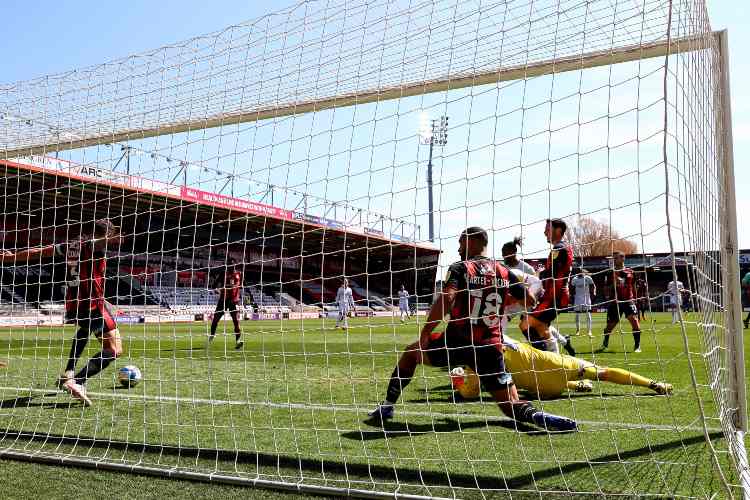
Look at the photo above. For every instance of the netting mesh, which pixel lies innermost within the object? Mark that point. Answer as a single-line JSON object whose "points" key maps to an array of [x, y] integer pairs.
{"points": [[249, 171]]}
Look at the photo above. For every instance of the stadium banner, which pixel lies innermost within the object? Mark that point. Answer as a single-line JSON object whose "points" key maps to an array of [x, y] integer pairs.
{"points": [[30, 320], [221, 201], [304, 315], [131, 319], [259, 316]]}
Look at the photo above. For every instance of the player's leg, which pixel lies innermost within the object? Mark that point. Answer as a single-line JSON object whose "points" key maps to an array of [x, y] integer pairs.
{"points": [[613, 317], [111, 347], [490, 366], [747, 320], [402, 375], [76, 349], [218, 313], [589, 321], [675, 313], [579, 311], [635, 324], [624, 377], [235, 315]]}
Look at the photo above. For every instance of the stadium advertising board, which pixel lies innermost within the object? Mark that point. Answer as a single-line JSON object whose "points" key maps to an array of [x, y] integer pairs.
{"points": [[221, 201]]}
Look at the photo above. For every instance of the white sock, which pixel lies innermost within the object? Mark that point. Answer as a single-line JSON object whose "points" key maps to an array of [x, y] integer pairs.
{"points": [[578, 321], [588, 318]]}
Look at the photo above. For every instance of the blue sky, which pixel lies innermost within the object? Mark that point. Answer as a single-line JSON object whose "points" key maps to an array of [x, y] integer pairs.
{"points": [[49, 37]]}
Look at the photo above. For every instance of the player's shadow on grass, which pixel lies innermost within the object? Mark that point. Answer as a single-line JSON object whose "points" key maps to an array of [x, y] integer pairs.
{"points": [[28, 402], [391, 430]]}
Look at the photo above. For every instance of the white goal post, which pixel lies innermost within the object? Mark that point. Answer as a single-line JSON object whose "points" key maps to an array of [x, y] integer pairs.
{"points": [[280, 159]]}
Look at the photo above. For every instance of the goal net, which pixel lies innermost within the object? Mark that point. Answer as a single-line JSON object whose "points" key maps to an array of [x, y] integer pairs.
{"points": [[177, 227]]}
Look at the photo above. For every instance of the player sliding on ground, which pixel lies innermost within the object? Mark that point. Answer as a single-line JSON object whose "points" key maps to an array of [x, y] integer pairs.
{"points": [[473, 295], [555, 278], [229, 300], [345, 303], [547, 375], [621, 284], [84, 300]]}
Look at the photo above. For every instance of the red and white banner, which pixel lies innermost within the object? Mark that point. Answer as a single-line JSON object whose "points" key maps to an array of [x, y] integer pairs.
{"points": [[221, 201]]}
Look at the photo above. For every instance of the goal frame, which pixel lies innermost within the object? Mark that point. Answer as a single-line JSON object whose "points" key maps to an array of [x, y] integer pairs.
{"points": [[729, 239]]}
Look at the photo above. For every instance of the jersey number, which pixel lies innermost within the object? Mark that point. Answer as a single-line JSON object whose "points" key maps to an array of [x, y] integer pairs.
{"points": [[485, 308]]}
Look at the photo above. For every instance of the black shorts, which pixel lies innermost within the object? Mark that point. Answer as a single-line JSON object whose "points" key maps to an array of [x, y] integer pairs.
{"points": [[546, 315], [226, 305], [618, 309], [485, 359], [98, 321]]}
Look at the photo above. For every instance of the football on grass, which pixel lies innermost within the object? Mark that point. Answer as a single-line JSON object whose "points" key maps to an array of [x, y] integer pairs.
{"points": [[129, 375]]}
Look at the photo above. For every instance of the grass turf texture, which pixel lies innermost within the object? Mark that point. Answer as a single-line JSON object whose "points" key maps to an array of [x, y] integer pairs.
{"points": [[292, 405]]}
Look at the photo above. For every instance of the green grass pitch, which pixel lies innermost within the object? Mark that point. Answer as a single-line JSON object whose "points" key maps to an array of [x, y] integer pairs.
{"points": [[292, 406]]}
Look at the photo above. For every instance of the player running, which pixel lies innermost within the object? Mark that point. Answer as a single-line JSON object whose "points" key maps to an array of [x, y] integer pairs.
{"points": [[555, 277], [473, 295], [84, 300], [584, 291], [229, 300], [674, 297], [510, 257], [345, 303], [547, 375], [403, 303], [620, 282]]}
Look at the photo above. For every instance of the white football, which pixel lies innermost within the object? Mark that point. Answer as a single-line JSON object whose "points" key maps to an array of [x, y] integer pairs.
{"points": [[129, 376]]}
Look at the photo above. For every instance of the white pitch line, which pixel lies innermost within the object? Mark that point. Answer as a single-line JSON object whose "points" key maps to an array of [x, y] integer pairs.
{"points": [[350, 409]]}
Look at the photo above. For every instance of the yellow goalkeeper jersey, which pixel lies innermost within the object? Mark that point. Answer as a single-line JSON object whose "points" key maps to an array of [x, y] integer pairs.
{"points": [[543, 373]]}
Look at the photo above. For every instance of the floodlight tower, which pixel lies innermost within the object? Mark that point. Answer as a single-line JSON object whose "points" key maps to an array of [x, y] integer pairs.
{"points": [[433, 132]]}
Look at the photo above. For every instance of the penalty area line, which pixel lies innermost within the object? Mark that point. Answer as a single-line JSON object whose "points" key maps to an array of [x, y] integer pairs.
{"points": [[340, 408]]}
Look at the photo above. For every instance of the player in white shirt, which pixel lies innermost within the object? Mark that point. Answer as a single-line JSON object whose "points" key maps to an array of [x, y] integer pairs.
{"points": [[674, 294], [536, 289], [583, 288], [510, 257], [345, 302], [403, 303]]}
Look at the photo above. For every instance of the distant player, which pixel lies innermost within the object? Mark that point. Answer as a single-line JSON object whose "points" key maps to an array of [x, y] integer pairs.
{"points": [[641, 289], [510, 257], [674, 298], [621, 285], [555, 278], [84, 300], [584, 291], [547, 375], [345, 303], [746, 296], [403, 304], [473, 296], [230, 286]]}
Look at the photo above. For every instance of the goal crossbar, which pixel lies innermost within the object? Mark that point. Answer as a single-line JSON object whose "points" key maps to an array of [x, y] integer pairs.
{"points": [[627, 53]]}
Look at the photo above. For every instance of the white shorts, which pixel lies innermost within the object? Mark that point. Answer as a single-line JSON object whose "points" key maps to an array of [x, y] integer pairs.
{"points": [[582, 308], [403, 308]]}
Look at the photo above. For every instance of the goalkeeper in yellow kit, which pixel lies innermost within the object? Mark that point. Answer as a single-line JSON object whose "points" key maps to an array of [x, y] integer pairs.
{"points": [[548, 374]]}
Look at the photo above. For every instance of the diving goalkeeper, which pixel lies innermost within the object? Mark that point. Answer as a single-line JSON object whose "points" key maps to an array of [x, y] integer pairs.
{"points": [[548, 374]]}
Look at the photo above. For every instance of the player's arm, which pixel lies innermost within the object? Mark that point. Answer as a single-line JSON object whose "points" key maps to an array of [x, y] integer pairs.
{"points": [[440, 308], [30, 254], [592, 290], [443, 305]]}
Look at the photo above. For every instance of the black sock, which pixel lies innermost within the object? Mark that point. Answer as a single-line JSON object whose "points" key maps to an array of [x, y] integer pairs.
{"points": [[606, 338], [76, 349], [747, 319], [523, 411], [215, 322], [96, 364], [637, 338], [399, 380]]}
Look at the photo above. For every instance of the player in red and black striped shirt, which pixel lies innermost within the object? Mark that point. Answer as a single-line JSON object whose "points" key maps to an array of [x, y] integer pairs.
{"points": [[474, 294], [84, 300], [621, 286], [555, 278], [230, 285]]}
